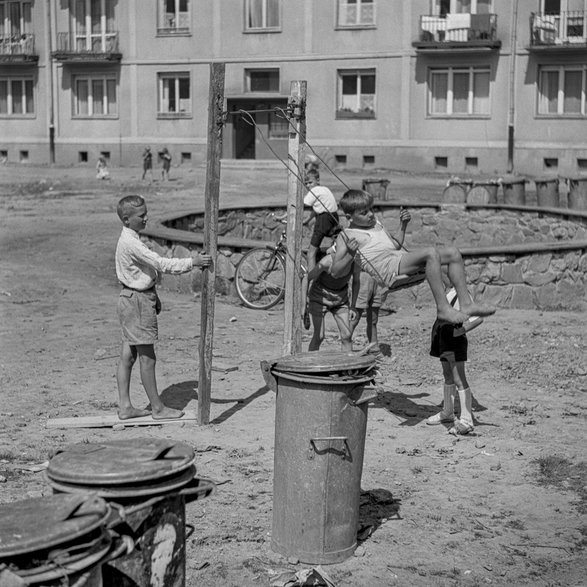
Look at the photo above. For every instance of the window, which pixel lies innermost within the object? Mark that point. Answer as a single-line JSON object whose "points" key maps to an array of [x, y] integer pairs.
{"points": [[444, 7], [459, 92], [174, 16], [356, 94], [356, 12], [95, 96], [278, 126], [174, 94], [94, 28], [561, 90], [261, 15], [262, 80], [15, 18], [16, 96]]}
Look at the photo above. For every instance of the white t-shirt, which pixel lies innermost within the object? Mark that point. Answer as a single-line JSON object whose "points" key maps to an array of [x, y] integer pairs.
{"points": [[321, 199]]}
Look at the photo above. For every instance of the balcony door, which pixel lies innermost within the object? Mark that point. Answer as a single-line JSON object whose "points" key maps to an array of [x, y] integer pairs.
{"points": [[567, 18], [94, 25], [15, 18]]}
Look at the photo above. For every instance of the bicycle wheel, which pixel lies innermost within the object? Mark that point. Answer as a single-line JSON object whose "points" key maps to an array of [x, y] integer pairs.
{"points": [[260, 279]]}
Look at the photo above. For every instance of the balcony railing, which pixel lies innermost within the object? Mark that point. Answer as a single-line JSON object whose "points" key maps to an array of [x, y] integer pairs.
{"points": [[454, 30], [102, 46], [564, 29], [17, 48]]}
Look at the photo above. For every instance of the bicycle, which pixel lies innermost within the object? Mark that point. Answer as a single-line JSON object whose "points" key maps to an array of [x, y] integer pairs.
{"points": [[260, 274]]}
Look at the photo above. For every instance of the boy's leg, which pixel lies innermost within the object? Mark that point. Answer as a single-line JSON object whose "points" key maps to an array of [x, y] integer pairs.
{"points": [[372, 320], [341, 317], [446, 415], [429, 260], [147, 362], [128, 356], [357, 318], [318, 323]]}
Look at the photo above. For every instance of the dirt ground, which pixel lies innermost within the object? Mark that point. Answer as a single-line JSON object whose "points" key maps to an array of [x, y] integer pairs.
{"points": [[504, 506]]}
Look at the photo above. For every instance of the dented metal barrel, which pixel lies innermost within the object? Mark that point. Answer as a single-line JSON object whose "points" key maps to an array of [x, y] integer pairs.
{"points": [[57, 540], [320, 428], [147, 482]]}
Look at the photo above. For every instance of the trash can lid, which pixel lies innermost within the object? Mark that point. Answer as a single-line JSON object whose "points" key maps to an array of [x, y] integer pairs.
{"points": [[509, 179], [324, 362], [545, 179], [120, 461], [37, 524]]}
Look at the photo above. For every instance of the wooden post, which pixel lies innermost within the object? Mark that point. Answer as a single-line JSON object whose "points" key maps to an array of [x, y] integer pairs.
{"points": [[212, 196], [292, 326]]}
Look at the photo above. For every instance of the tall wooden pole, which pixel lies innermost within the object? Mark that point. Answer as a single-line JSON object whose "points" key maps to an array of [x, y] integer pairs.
{"points": [[292, 326], [212, 196]]}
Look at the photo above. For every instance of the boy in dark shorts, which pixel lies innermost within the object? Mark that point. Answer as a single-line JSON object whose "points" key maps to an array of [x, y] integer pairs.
{"points": [[450, 344], [138, 269], [329, 294]]}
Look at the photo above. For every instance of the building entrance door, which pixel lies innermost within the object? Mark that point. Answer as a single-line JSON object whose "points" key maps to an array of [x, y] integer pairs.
{"points": [[257, 134]]}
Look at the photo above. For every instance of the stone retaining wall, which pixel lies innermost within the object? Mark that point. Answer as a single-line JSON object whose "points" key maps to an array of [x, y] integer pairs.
{"points": [[516, 257]]}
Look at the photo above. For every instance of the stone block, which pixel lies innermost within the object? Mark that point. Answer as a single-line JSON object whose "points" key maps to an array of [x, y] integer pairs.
{"points": [[498, 295], [511, 273], [157, 248], [523, 297], [571, 293], [539, 263], [180, 252], [547, 297], [539, 279], [224, 268]]}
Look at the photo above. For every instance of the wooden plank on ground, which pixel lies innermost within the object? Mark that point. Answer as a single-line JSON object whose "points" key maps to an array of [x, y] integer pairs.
{"points": [[223, 367], [109, 420]]}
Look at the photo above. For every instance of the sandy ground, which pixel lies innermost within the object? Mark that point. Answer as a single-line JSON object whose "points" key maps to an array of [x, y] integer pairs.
{"points": [[504, 506]]}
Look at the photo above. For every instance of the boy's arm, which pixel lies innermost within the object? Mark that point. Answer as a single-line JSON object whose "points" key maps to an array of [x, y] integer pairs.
{"points": [[356, 284], [346, 249], [319, 268], [142, 254], [404, 217]]}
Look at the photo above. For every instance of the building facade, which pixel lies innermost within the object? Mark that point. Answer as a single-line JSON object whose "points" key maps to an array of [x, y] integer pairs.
{"points": [[459, 86]]}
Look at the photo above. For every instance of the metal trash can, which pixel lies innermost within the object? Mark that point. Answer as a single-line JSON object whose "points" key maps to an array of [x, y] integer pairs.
{"points": [[376, 187], [514, 190], [547, 192], [320, 428], [483, 192], [58, 540], [148, 481], [577, 192]]}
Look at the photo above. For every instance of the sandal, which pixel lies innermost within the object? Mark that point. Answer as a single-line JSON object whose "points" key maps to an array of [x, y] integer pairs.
{"points": [[461, 428], [440, 418]]}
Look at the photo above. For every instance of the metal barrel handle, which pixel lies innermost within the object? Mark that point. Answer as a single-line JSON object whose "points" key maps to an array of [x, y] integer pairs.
{"points": [[313, 449]]}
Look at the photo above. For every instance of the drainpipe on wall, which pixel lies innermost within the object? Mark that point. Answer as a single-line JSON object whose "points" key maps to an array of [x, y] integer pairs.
{"points": [[49, 46], [512, 82]]}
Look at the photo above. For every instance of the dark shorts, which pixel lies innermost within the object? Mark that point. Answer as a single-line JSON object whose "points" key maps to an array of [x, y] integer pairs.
{"points": [[137, 313], [370, 292], [322, 300], [445, 345], [326, 225]]}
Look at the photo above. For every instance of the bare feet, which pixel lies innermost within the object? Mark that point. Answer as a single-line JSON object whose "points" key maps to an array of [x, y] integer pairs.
{"points": [[128, 413], [449, 314], [478, 309], [166, 413]]}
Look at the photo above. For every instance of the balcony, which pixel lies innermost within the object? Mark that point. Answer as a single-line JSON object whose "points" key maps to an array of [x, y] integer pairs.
{"points": [[558, 32], [87, 48], [457, 32], [17, 49]]}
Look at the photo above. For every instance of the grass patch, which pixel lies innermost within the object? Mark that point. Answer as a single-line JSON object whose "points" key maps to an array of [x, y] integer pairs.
{"points": [[559, 472]]}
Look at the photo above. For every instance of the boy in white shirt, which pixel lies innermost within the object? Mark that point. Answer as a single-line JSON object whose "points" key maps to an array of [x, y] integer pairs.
{"points": [[138, 269]]}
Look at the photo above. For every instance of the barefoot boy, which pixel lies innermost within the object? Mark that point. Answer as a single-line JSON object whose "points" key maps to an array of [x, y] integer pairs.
{"points": [[138, 269], [379, 255]]}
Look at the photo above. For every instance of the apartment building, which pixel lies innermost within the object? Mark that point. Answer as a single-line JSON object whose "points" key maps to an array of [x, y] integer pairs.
{"points": [[459, 86]]}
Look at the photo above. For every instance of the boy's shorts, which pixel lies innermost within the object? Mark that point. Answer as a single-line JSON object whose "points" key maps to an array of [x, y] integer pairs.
{"points": [[445, 345], [322, 300], [326, 225], [370, 293], [137, 312]]}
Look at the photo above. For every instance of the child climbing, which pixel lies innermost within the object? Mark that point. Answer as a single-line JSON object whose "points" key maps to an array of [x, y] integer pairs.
{"points": [[381, 257]]}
